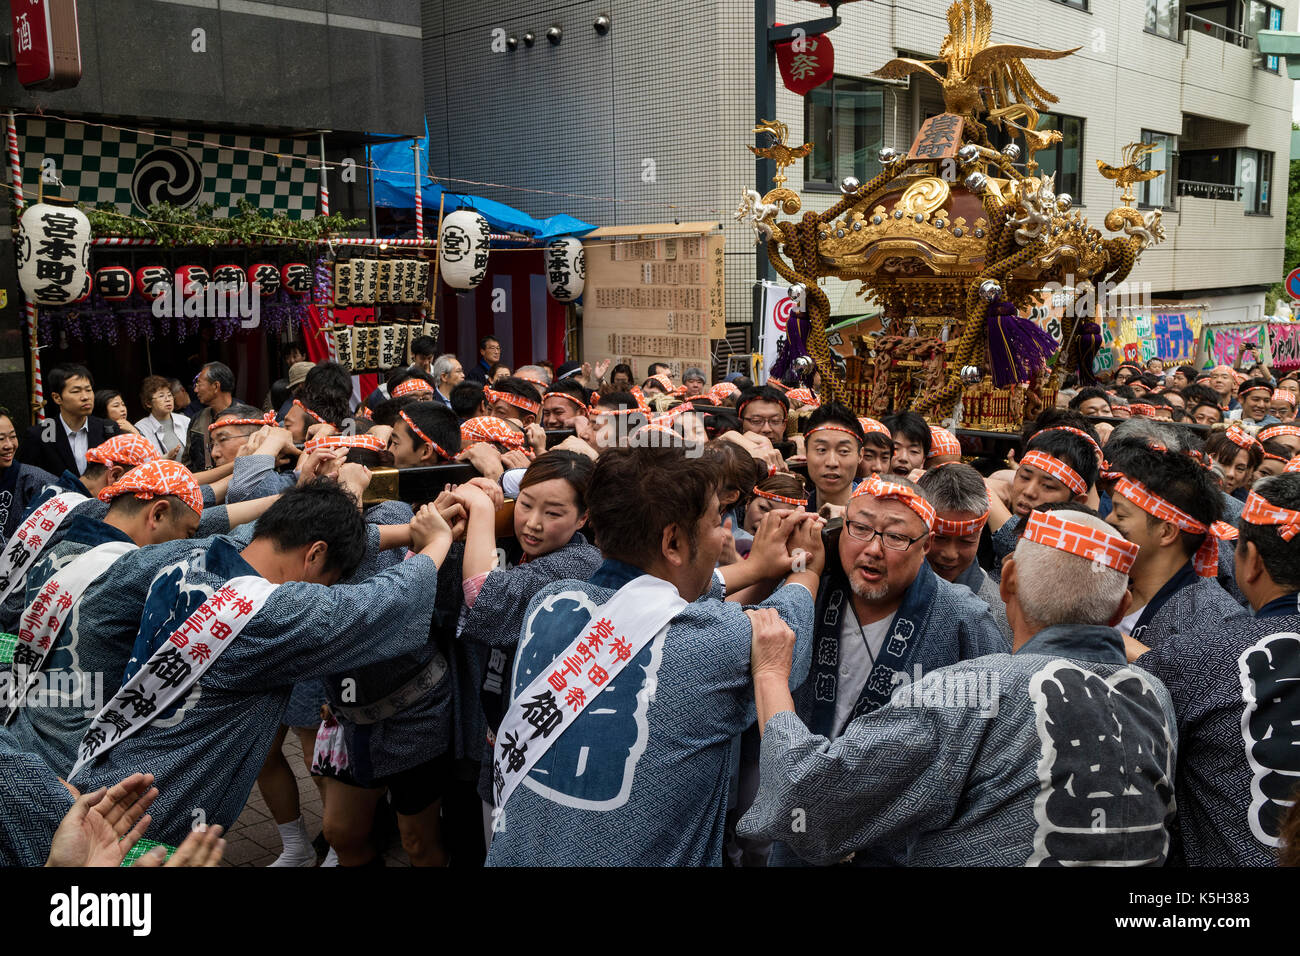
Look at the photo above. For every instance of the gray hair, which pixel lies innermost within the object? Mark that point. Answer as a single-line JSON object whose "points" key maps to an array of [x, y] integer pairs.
{"points": [[534, 371], [1092, 597], [442, 365], [694, 374], [1147, 430], [955, 487]]}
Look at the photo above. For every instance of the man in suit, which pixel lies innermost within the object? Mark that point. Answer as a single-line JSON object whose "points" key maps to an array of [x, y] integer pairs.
{"points": [[61, 444], [489, 353]]}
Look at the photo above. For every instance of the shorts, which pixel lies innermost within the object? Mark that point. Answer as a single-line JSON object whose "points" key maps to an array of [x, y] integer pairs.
{"points": [[412, 791]]}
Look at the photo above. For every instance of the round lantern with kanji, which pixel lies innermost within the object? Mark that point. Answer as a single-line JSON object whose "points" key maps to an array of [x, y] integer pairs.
{"points": [[266, 276], [53, 253], [192, 279], [463, 249], [229, 278], [153, 281], [114, 283], [297, 278], [566, 268]]}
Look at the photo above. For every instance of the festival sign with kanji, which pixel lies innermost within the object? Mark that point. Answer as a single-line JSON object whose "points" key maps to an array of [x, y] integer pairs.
{"points": [[939, 137], [1221, 344], [1284, 340], [806, 63]]}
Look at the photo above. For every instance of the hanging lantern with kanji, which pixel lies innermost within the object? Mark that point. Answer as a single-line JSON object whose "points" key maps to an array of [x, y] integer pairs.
{"points": [[463, 249], [230, 278], [297, 278], [53, 253], [114, 283], [805, 63], [566, 268], [266, 276], [192, 279], [153, 281]]}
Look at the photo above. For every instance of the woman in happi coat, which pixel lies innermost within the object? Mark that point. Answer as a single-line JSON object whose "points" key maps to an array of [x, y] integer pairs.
{"points": [[19, 483], [548, 546]]}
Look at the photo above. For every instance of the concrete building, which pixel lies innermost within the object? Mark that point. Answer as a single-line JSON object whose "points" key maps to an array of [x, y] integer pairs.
{"points": [[648, 120]]}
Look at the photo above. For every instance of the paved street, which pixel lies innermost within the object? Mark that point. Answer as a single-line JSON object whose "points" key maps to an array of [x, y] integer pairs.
{"points": [[254, 839]]}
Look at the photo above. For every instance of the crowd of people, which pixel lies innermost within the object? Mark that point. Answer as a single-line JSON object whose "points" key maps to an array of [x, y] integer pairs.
{"points": [[665, 622]]}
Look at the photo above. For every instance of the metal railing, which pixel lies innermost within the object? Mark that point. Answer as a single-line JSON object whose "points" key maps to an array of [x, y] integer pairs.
{"points": [[1226, 191], [1193, 23]]}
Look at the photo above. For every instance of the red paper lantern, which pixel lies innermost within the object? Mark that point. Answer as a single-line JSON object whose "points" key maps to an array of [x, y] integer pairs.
{"points": [[192, 279], [153, 281], [114, 283], [267, 277], [232, 276], [86, 285], [296, 277]]}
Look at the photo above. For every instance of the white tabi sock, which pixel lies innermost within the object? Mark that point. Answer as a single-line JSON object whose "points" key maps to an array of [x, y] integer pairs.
{"points": [[298, 850], [331, 858]]}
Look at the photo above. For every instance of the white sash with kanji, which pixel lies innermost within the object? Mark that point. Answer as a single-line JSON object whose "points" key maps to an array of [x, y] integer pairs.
{"points": [[44, 617], [31, 537], [638, 612], [173, 669]]}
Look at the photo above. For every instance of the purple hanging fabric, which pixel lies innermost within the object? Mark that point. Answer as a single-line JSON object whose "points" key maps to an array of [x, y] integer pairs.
{"points": [[1018, 348]]}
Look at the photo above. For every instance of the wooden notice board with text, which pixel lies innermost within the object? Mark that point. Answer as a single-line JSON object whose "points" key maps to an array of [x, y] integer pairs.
{"points": [[653, 298]]}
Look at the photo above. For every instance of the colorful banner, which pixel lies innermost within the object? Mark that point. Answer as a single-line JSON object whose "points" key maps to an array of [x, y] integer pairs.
{"points": [[1220, 344], [1284, 341]]}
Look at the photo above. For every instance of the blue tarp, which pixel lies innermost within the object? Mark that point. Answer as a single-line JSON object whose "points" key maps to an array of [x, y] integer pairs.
{"points": [[396, 190]]}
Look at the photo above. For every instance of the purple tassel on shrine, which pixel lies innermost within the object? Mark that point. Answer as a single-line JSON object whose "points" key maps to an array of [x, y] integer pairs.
{"points": [[792, 345], [1018, 348], [1090, 342]]}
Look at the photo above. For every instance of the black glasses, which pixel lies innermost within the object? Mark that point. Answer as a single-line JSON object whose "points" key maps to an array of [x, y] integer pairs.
{"points": [[890, 539]]}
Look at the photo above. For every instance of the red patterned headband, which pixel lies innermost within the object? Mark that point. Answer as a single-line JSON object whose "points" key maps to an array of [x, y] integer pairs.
{"points": [[1272, 431], [828, 426], [1292, 466], [559, 393], [492, 430], [308, 411], [1081, 433], [155, 479], [876, 488], [1258, 511], [779, 384], [1254, 388], [1142, 410], [535, 381], [1057, 469], [1050, 530], [1283, 395], [1269, 456], [1206, 559], [415, 429], [959, 529], [124, 450], [518, 401], [641, 403], [1242, 438], [773, 496], [942, 442], [267, 419], [870, 425], [410, 386], [663, 379], [721, 391], [364, 442], [803, 396]]}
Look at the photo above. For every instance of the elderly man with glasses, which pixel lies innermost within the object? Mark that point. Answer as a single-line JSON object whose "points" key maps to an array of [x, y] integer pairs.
{"points": [[884, 618]]}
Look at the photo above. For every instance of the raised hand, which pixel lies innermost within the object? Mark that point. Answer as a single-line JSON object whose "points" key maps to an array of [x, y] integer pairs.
{"points": [[103, 826], [771, 648]]}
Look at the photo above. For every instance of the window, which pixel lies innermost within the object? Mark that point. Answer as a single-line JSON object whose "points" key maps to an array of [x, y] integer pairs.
{"points": [[1080, 4], [1254, 174], [1264, 16], [1159, 192], [845, 121], [1064, 159], [1162, 18]]}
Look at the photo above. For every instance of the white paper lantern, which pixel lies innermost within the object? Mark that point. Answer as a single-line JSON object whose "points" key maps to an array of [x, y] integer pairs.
{"points": [[463, 249], [53, 254], [566, 268]]}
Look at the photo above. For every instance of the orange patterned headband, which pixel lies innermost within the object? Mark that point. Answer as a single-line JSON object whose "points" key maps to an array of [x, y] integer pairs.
{"points": [[267, 419], [560, 393], [870, 425], [364, 442], [124, 450], [1272, 431], [156, 478], [1206, 560], [1057, 469], [773, 496], [518, 401], [1258, 511], [959, 529], [1050, 530], [1242, 438], [876, 488], [942, 442], [442, 452], [828, 426], [298, 404], [1283, 395], [410, 386]]}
